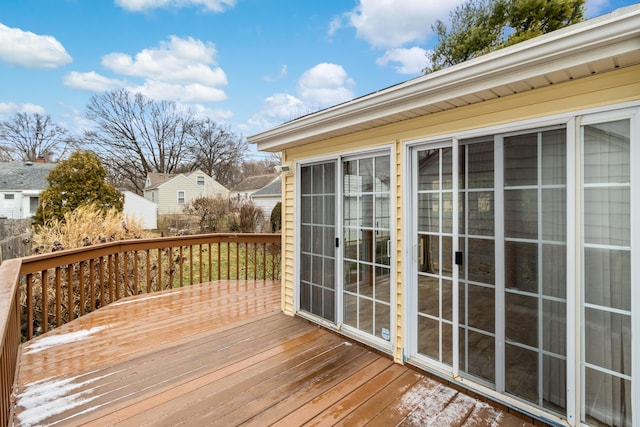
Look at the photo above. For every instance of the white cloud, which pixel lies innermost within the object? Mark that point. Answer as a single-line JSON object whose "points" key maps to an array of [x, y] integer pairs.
{"points": [[194, 92], [177, 61], [181, 69], [216, 114], [92, 81], [321, 86], [8, 107], [325, 85], [144, 5], [29, 50], [410, 61], [393, 23], [12, 107]]}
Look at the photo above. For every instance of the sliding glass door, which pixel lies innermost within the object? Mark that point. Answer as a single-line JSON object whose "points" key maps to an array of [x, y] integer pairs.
{"points": [[508, 269], [360, 203]]}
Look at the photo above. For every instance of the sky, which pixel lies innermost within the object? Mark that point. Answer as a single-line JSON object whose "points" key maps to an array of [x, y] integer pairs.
{"points": [[247, 64]]}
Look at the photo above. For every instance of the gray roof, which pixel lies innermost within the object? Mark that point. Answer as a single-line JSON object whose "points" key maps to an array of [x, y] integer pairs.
{"points": [[274, 188], [255, 182], [16, 176]]}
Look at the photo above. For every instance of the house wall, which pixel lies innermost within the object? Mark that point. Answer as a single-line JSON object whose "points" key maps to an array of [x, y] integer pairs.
{"points": [[20, 207], [614, 87], [266, 204], [168, 194], [144, 210], [213, 188]]}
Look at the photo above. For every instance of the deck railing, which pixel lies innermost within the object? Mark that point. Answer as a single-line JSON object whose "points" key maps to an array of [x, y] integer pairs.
{"points": [[41, 292]]}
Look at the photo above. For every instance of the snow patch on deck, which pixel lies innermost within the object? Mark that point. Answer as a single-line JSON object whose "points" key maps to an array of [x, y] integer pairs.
{"points": [[54, 340], [42, 399]]}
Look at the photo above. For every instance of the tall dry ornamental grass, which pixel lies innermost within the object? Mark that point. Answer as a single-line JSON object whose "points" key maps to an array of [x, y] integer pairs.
{"points": [[86, 226]]}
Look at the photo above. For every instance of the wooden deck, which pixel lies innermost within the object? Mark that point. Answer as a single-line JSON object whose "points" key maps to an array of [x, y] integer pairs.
{"points": [[223, 354]]}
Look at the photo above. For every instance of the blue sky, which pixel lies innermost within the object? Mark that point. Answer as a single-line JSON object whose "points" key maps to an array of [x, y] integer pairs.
{"points": [[248, 64]]}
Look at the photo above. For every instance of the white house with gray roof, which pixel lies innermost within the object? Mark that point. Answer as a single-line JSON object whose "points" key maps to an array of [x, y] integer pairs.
{"points": [[268, 196], [20, 186]]}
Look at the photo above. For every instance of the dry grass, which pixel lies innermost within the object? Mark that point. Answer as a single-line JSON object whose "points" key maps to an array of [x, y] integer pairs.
{"points": [[87, 226]]}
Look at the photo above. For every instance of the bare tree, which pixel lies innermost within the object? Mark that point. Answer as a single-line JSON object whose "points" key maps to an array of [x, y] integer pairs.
{"points": [[136, 135], [29, 136], [217, 150]]}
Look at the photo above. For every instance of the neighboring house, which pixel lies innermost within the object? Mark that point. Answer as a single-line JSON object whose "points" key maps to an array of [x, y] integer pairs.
{"points": [[481, 222], [173, 191], [142, 209], [250, 185], [20, 186], [268, 196]]}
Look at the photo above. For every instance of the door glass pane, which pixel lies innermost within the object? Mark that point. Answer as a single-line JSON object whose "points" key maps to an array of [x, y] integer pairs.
{"points": [[477, 274], [606, 264], [521, 160], [366, 246], [535, 267], [434, 212], [317, 237]]}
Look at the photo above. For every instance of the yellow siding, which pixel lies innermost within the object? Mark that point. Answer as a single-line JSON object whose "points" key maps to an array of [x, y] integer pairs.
{"points": [[618, 86]]}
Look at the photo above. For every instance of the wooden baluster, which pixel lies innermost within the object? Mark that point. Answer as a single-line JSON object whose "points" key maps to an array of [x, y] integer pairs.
{"points": [[125, 273], [200, 263], [210, 255], [110, 278], [102, 284], [135, 272], [170, 285], [116, 276], [81, 285], [70, 294], [255, 261], [190, 267], [246, 261], [148, 262], [180, 266], [264, 261], [159, 269], [58, 297], [219, 261], [29, 306], [44, 280]]}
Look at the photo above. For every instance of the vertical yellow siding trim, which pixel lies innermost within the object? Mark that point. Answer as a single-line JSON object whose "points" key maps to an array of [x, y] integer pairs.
{"points": [[399, 274], [288, 241]]}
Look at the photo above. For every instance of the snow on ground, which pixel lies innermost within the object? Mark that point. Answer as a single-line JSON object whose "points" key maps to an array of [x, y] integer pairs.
{"points": [[54, 340], [42, 399]]}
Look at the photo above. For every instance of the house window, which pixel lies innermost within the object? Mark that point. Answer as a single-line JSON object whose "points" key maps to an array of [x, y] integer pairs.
{"points": [[200, 180], [33, 204], [181, 197], [9, 200]]}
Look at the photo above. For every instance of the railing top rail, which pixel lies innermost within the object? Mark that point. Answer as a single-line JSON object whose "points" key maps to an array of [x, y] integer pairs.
{"points": [[35, 263], [9, 274]]}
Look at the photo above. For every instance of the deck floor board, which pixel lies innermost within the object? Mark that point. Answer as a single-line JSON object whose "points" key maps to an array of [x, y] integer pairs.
{"points": [[222, 353]]}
